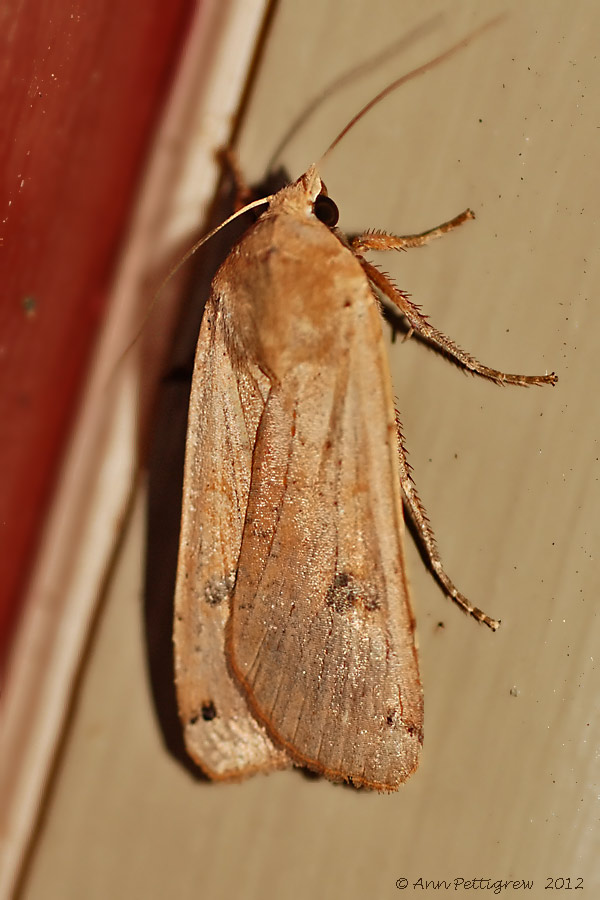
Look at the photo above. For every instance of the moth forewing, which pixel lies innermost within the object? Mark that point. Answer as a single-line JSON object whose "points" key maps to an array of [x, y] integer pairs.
{"points": [[321, 631], [225, 406]]}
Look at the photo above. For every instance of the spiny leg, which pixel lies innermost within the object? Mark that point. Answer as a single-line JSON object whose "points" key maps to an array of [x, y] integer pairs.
{"points": [[381, 240], [421, 522], [419, 323]]}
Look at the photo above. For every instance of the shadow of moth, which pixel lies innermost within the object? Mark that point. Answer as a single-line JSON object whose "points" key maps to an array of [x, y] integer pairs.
{"points": [[294, 632]]}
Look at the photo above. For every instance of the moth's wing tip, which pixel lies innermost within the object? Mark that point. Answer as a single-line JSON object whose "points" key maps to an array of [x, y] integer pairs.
{"points": [[216, 766]]}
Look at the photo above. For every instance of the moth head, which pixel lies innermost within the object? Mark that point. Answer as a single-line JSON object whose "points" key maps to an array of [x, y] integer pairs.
{"points": [[323, 206], [308, 195], [310, 184]]}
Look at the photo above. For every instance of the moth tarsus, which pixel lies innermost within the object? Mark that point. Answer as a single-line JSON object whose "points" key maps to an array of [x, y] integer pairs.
{"points": [[382, 240]]}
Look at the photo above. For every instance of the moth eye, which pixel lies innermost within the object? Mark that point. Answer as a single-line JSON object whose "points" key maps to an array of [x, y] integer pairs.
{"points": [[326, 210]]}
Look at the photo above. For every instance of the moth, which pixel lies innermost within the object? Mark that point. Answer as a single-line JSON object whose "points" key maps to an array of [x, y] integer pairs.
{"points": [[294, 632]]}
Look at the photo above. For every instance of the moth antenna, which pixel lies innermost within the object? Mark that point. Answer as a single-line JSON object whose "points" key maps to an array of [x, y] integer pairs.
{"points": [[348, 77], [414, 73], [181, 262], [207, 237]]}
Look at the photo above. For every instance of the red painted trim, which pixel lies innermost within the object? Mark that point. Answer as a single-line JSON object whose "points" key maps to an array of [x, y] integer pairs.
{"points": [[81, 87]]}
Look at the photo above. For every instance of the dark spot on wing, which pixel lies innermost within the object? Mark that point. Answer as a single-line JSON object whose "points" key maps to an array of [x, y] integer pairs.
{"points": [[346, 593], [217, 590], [340, 594], [208, 712], [370, 599], [411, 729]]}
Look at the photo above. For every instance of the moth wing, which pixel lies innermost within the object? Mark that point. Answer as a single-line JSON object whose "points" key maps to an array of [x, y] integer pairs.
{"points": [[322, 633], [225, 406]]}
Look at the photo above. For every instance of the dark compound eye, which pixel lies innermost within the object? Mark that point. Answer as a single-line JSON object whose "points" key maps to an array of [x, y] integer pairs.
{"points": [[326, 210]]}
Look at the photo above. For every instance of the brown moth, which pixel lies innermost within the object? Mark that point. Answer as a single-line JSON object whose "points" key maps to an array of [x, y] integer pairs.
{"points": [[294, 630]]}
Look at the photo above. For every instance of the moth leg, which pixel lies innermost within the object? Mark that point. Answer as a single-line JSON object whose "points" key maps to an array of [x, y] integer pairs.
{"points": [[231, 166], [421, 522], [381, 240], [419, 323]]}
